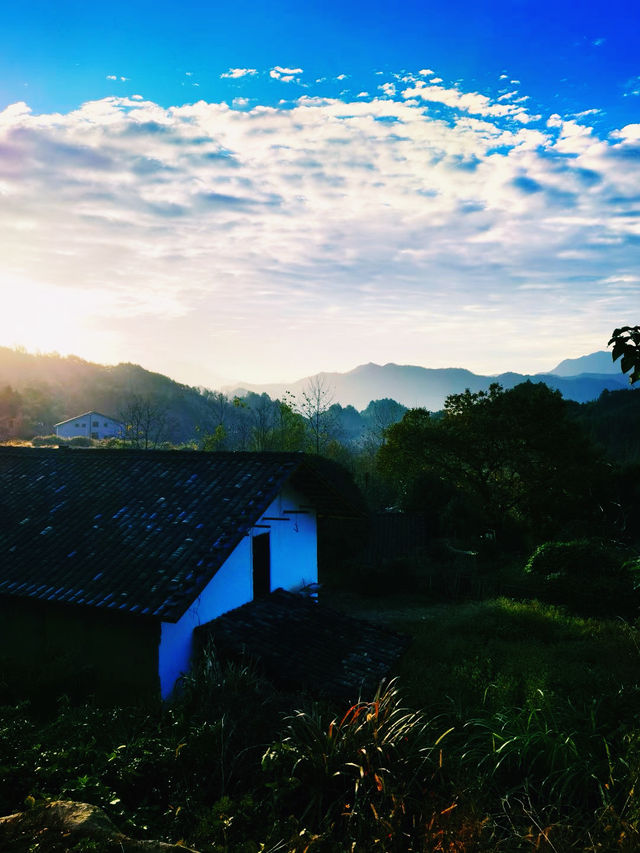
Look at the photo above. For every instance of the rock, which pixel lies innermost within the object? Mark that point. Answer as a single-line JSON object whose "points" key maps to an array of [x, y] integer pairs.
{"points": [[64, 826]]}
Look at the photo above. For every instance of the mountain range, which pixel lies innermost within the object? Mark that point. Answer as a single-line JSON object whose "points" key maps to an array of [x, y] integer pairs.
{"points": [[52, 388], [580, 379]]}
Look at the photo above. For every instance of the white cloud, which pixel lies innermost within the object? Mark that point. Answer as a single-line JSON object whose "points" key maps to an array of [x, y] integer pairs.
{"points": [[436, 80], [470, 102], [426, 72], [362, 95], [236, 73], [111, 77], [341, 77], [388, 88], [285, 75], [629, 131], [236, 232]]}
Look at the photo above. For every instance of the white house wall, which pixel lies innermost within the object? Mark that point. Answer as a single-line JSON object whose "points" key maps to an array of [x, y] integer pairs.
{"points": [[294, 564]]}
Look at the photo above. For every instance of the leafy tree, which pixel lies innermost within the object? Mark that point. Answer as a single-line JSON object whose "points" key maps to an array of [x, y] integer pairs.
{"points": [[290, 427], [626, 347], [510, 454]]}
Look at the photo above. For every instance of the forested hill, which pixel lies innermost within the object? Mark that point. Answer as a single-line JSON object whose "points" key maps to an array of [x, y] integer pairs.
{"points": [[37, 391]]}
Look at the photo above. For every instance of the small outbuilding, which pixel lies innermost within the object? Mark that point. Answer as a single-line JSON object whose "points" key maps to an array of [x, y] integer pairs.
{"points": [[111, 558]]}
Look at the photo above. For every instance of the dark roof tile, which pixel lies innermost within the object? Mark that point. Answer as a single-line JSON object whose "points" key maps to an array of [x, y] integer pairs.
{"points": [[303, 643]]}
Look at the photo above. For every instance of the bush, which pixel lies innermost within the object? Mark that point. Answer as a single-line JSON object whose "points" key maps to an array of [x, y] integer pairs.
{"points": [[590, 576], [46, 441], [580, 558], [80, 441]]}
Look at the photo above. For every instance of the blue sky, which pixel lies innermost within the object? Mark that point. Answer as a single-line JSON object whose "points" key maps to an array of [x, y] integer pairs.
{"points": [[261, 191]]}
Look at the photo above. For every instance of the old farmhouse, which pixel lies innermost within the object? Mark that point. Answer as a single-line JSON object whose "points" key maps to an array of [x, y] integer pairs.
{"points": [[109, 559]]}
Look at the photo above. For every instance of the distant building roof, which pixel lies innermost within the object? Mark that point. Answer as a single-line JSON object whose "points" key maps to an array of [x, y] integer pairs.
{"points": [[86, 415], [301, 642], [137, 531]]}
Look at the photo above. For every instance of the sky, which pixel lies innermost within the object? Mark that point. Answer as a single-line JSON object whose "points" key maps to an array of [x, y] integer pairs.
{"points": [[261, 191]]}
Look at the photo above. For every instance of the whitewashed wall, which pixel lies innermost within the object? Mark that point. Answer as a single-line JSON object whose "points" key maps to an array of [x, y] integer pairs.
{"points": [[294, 563]]}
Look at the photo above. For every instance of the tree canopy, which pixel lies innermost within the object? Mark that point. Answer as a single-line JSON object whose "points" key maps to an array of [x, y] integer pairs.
{"points": [[514, 454]]}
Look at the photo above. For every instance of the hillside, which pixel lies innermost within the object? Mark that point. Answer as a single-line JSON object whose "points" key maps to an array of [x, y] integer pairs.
{"points": [[52, 388]]}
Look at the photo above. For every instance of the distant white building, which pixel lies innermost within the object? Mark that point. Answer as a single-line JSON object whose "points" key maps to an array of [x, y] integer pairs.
{"points": [[90, 425]]}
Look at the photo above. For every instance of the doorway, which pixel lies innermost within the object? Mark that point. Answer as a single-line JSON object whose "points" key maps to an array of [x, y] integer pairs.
{"points": [[261, 549]]}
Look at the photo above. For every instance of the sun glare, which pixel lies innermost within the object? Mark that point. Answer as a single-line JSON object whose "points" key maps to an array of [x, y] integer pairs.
{"points": [[44, 318]]}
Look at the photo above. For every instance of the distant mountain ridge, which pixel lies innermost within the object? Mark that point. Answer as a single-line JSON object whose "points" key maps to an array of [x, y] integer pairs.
{"points": [[597, 362], [428, 387]]}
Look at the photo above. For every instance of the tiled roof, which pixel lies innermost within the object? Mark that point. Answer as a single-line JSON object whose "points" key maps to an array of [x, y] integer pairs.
{"points": [[300, 642], [137, 531]]}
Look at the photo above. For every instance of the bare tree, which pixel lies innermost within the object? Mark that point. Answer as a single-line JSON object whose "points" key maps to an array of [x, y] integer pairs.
{"points": [[315, 408], [145, 422]]}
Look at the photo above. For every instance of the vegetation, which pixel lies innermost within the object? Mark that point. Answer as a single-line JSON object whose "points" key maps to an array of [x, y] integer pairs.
{"points": [[526, 740], [626, 347]]}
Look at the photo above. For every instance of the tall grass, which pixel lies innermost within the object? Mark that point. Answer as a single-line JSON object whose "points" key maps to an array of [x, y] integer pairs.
{"points": [[373, 778]]}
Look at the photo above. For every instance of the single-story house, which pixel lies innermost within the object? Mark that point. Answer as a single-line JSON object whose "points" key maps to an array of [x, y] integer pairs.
{"points": [[90, 425], [112, 557]]}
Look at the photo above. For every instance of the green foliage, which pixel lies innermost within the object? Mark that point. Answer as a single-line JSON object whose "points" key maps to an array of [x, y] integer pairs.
{"points": [[503, 456], [588, 575], [530, 732], [581, 558], [363, 779], [626, 347], [536, 744], [47, 441]]}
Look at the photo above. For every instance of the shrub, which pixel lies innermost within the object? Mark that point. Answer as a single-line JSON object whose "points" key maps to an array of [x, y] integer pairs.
{"points": [[80, 441], [46, 441], [581, 558], [591, 576]]}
